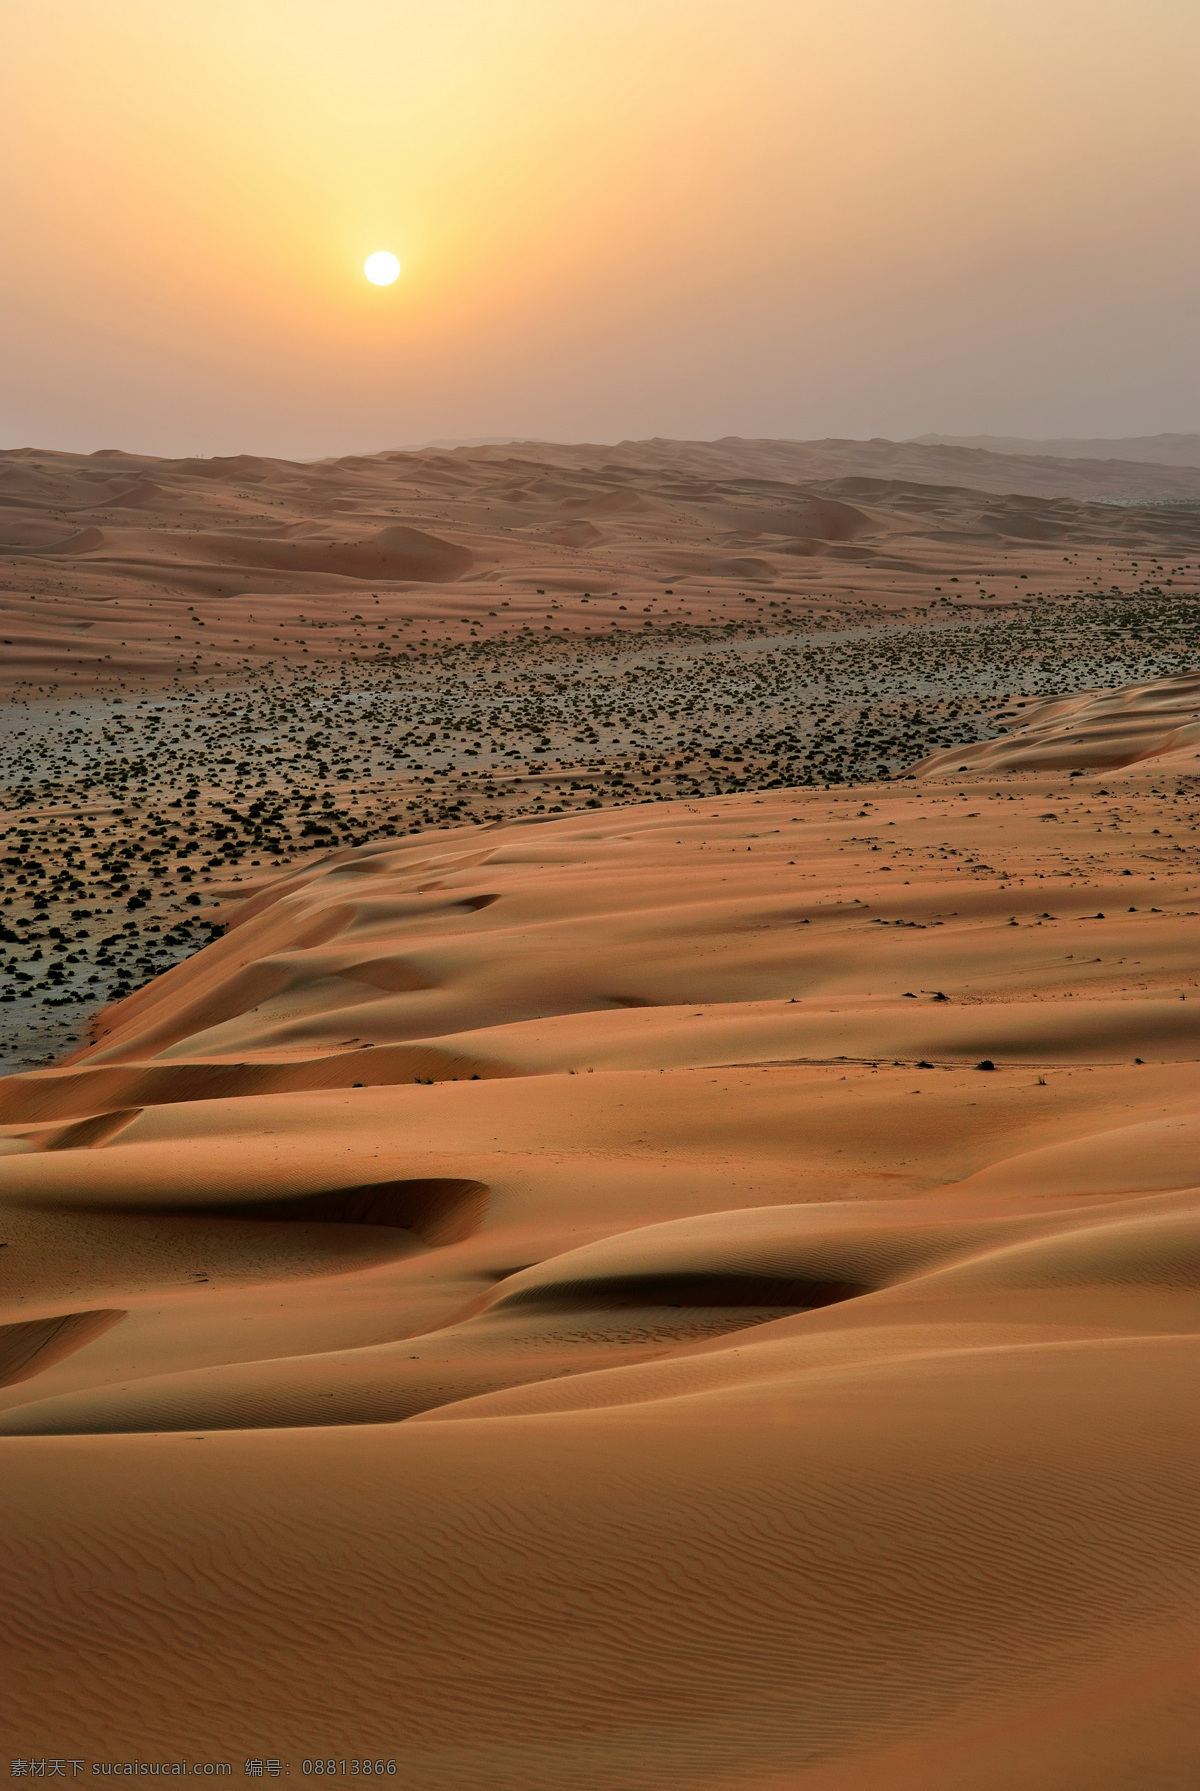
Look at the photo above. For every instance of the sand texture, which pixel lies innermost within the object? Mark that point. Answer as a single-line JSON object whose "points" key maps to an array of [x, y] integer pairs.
{"points": [[559, 1305]]}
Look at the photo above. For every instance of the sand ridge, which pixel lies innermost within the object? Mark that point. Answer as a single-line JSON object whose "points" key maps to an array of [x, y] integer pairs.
{"points": [[572, 1296]]}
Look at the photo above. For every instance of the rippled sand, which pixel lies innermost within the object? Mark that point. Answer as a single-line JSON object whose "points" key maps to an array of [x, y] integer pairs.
{"points": [[559, 1305]]}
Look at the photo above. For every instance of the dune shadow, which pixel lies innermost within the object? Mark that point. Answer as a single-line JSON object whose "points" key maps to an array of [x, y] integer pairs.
{"points": [[732, 1291], [438, 1210], [27, 1348]]}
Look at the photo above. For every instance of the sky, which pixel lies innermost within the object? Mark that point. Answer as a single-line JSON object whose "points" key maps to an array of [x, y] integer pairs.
{"points": [[615, 218]]}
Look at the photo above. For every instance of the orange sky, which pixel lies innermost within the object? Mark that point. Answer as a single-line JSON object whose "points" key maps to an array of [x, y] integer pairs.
{"points": [[616, 218]]}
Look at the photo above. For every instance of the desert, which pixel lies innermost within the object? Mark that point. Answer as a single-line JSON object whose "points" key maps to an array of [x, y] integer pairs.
{"points": [[600, 895], [598, 1148]]}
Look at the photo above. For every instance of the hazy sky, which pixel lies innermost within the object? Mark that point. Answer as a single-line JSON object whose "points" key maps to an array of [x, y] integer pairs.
{"points": [[616, 218]]}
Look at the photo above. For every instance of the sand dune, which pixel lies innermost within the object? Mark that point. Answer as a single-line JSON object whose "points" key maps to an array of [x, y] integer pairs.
{"points": [[560, 1305], [1100, 730], [397, 553], [120, 568], [578, 1247]]}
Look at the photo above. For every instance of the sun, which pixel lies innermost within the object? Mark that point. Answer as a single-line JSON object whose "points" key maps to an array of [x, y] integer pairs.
{"points": [[381, 268]]}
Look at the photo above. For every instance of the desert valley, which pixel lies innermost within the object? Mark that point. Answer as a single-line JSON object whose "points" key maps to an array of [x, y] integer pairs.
{"points": [[516, 1258]]}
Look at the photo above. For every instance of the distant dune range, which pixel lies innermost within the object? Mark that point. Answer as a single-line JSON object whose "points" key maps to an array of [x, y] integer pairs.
{"points": [[559, 1305], [118, 566], [1160, 450]]}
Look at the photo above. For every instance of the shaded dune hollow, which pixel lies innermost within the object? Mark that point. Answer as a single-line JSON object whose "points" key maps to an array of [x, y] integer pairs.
{"points": [[729, 1294], [30, 1348], [439, 1210]]}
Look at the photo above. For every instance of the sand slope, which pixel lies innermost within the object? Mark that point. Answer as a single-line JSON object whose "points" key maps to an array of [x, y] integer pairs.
{"points": [[1101, 730], [559, 1305]]}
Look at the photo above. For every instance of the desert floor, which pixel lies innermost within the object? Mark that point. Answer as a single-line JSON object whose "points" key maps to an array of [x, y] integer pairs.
{"points": [[532, 1267], [211, 668]]}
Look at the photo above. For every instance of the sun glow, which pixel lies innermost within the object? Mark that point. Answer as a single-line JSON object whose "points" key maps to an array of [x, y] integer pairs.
{"points": [[557, 177], [381, 268]]}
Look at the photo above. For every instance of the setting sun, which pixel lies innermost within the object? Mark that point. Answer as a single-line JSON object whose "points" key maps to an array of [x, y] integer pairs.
{"points": [[382, 268]]}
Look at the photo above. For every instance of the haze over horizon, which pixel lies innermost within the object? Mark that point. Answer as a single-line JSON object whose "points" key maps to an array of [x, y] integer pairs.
{"points": [[614, 222]]}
